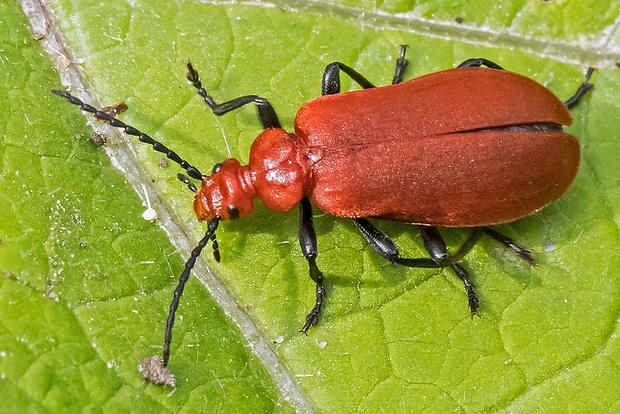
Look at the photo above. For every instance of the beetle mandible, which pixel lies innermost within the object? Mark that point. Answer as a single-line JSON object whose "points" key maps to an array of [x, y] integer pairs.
{"points": [[464, 147]]}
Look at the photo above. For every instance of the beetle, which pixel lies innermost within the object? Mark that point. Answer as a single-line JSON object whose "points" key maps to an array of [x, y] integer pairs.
{"points": [[469, 147]]}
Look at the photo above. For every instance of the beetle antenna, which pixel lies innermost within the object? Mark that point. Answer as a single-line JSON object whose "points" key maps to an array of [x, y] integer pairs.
{"points": [[157, 146], [185, 179], [174, 305]]}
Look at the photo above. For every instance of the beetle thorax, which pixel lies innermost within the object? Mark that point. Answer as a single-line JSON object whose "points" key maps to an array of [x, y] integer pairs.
{"points": [[280, 175], [276, 174]]}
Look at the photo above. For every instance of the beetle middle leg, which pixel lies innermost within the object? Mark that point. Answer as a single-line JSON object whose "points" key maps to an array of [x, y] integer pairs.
{"points": [[331, 75], [308, 243], [477, 62]]}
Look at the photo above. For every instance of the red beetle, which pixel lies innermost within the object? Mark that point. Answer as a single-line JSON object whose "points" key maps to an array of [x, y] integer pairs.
{"points": [[465, 147]]}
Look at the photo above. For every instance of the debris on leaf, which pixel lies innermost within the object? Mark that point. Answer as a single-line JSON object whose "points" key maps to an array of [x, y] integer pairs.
{"points": [[98, 139], [113, 110], [155, 372]]}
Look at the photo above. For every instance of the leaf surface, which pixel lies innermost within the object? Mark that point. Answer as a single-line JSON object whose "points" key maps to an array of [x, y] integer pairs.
{"points": [[86, 282]]}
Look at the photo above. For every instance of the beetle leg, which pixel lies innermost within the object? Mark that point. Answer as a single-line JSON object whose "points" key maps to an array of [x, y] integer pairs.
{"points": [[266, 113], [331, 75], [477, 62], [521, 251], [385, 247], [331, 78], [436, 248], [584, 88], [383, 244], [472, 298], [307, 241], [401, 65]]}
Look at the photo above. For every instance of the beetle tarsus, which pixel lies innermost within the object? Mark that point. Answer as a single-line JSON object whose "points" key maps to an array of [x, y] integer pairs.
{"points": [[583, 89], [472, 298], [315, 314], [524, 253], [401, 65]]}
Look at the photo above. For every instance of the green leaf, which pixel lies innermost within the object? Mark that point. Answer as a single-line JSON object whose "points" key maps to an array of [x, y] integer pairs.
{"points": [[85, 282]]}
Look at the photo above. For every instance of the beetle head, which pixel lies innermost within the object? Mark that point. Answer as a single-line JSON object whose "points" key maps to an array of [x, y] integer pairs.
{"points": [[227, 193]]}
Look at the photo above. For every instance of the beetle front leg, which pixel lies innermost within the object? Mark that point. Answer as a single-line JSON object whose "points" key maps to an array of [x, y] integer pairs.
{"points": [[308, 243], [266, 113]]}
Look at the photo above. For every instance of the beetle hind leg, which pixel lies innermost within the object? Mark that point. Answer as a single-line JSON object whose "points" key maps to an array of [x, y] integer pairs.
{"points": [[434, 245], [583, 89], [523, 252]]}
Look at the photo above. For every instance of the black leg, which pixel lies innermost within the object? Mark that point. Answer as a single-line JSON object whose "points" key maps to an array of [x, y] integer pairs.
{"points": [[266, 113], [385, 247], [436, 248], [477, 62], [584, 88], [307, 241], [331, 78], [331, 75], [521, 251], [157, 146], [472, 299], [401, 65]]}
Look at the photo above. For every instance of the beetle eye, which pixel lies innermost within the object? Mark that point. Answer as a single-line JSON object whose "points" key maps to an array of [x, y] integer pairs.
{"points": [[217, 167], [233, 212]]}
